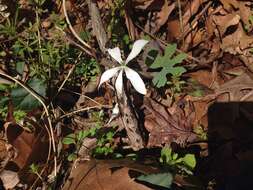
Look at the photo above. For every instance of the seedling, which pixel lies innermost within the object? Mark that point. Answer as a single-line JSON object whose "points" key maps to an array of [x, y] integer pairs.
{"points": [[186, 163], [35, 170]]}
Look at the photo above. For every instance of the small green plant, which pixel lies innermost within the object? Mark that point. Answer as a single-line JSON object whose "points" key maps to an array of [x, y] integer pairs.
{"points": [[105, 142], [35, 170], [104, 136], [167, 64], [88, 69], [76, 139], [9, 26], [186, 163], [104, 145], [200, 132], [19, 115], [5, 93]]}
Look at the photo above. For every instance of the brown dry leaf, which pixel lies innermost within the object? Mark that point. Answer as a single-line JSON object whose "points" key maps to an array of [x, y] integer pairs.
{"points": [[245, 12], [164, 127], [159, 17], [30, 146], [243, 8], [173, 26], [143, 4], [223, 22], [231, 43], [229, 4], [236, 71], [162, 16], [106, 175], [9, 178], [193, 40], [191, 10], [235, 86], [204, 77], [3, 149], [239, 43], [22, 141], [205, 80]]}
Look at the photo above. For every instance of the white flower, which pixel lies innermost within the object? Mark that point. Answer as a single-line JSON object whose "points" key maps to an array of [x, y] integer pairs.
{"points": [[132, 75]]}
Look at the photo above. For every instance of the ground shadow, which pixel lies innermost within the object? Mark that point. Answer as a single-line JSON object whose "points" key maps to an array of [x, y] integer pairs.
{"points": [[230, 133]]}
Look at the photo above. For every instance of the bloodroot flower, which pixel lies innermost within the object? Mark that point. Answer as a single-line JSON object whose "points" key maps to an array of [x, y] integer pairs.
{"points": [[132, 75]]}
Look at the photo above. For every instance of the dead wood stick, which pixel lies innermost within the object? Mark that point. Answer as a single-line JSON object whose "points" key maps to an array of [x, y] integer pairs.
{"points": [[97, 25], [130, 122]]}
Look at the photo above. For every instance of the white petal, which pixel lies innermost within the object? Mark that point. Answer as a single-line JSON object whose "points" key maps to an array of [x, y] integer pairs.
{"points": [[108, 74], [119, 83], [137, 47], [136, 80], [115, 53], [115, 110]]}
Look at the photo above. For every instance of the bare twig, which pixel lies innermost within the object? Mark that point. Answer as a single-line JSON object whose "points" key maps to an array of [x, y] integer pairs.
{"points": [[83, 109], [83, 96], [97, 25], [188, 29], [130, 122], [87, 46], [69, 73]]}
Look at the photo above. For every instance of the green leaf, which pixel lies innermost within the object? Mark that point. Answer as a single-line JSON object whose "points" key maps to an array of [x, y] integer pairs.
{"points": [[163, 61], [22, 99], [160, 179], [190, 160], [34, 168], [4, 102], [85, 35], [166, 154], [167, 64], [93, 131], [19, 115], [72, 157], [82, 134], [170, 50], [3, 87], [177, 71], [109, 135], [174, 156], [69, 139], [160, 80], [20, 67], [179, 58]]}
